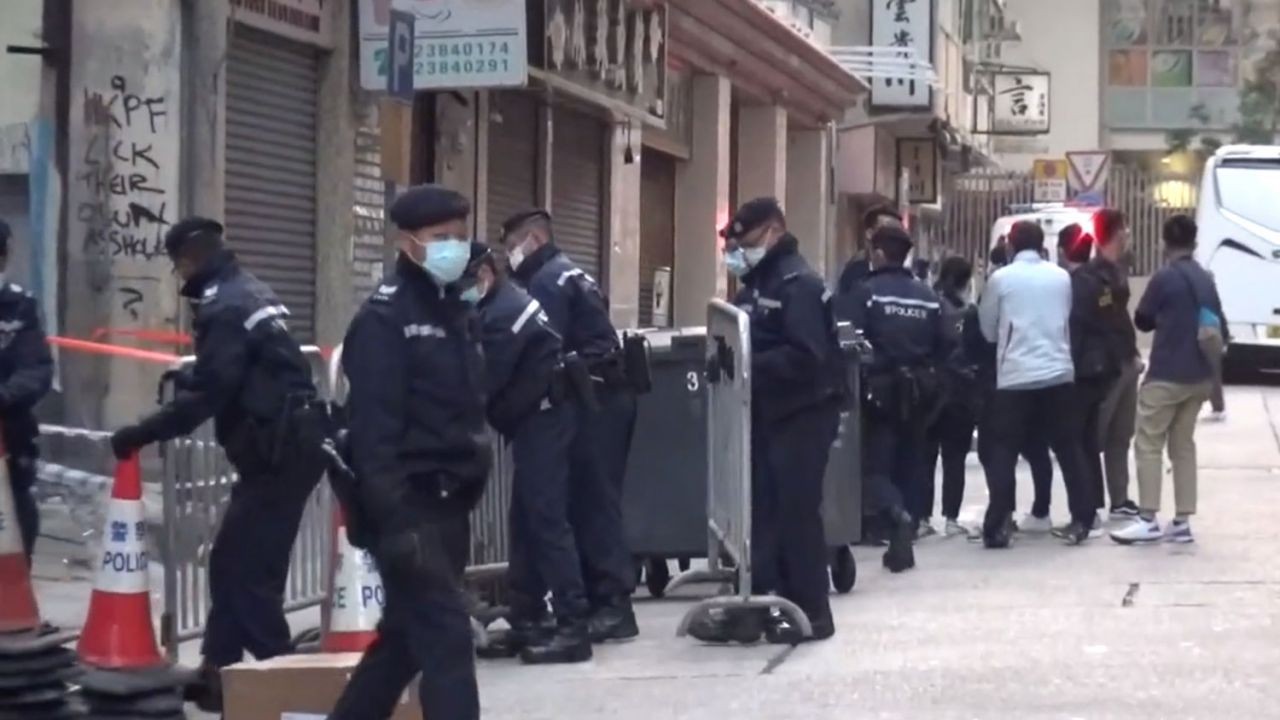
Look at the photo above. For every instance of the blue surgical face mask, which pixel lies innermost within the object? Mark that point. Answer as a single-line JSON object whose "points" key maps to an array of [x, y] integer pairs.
{"points": [[473, 294], [737, 263], [446, 260]]}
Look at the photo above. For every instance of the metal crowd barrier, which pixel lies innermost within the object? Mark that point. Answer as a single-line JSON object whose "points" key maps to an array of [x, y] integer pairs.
{"points": [[197, 487], [728, 356]]}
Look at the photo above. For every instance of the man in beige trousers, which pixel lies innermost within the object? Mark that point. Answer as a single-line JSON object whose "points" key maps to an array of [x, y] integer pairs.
{"points": [[1182, 307]]}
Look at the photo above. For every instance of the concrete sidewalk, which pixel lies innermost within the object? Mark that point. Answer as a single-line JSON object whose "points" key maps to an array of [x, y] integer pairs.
{"points": [[1037, 631]]}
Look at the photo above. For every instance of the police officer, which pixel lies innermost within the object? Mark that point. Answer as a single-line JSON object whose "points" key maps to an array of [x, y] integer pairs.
{"points": [[251, 377], [598, 455], [902, 319], [421, 457], [859, 268], [797, 391], [529, 406], [26, 374]]}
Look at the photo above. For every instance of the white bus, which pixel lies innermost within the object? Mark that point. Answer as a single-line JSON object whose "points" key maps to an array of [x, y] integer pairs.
{"points": [[1239, 242]]}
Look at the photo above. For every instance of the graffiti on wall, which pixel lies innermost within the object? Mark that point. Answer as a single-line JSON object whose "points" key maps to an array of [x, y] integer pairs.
{"points": [[124, 205]]}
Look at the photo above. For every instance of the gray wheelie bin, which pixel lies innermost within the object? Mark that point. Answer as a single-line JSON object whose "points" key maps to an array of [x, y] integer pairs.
{"points": [[664, 499], [665, 490]]}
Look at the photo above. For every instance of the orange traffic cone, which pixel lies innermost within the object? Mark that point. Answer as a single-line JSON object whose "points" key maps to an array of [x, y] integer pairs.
{"points": [[356, 596], [18, 611], [118, 634]]}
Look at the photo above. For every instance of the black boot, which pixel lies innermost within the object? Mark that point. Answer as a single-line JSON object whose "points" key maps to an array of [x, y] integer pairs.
{"points": [[510, 643], [615, 621], [723, 626], [568, 644], [900, 556], [780, 630], [207, 691]]}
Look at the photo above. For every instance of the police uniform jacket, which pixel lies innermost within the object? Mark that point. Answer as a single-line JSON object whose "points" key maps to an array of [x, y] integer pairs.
{"points": [[26, 369], [521, 353], [416, 406], [902, 319], [248, 368], [578, 311], [796, 360]]}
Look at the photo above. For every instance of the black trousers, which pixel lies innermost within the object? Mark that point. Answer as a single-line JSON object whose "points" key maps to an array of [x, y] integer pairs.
{"points": [[788, 543], [892, 461], [425, 629], [951, 437], [1016, 414], [1090, 394], [597, 464], [1035, 450], [249, 563], [544, 553], [22, 478]]}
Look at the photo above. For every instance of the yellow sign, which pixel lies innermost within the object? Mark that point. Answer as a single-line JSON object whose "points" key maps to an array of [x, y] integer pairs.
{"points": [[1050, 170], [1050, 181]]}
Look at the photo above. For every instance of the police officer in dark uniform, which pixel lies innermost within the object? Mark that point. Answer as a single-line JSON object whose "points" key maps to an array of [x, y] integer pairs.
{"points": [[421, 458], [26, 374], [858, 269], [251, 377], [529, 405], [902, 319], [798, 388], [598, 455]]}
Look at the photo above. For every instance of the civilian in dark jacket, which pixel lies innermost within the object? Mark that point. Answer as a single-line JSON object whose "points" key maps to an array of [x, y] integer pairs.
{"points": [[1181, 305], [951, 435], [1117, 416], [1094, 351]]}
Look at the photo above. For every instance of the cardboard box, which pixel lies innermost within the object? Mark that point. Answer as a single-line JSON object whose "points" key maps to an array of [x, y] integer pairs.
{"points": [[296, 687]]}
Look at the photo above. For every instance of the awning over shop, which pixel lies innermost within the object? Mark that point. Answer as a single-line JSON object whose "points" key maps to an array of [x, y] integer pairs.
{"points": [[765, 60]]}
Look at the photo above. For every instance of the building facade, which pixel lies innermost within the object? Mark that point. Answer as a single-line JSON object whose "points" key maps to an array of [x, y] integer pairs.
{"points": [[639, 124]]}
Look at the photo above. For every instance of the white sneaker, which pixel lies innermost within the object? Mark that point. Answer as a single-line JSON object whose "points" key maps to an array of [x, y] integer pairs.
{"points": [[1032, 524], [1215, 417], [1138, 531], [954, 528], [1179, 531]]}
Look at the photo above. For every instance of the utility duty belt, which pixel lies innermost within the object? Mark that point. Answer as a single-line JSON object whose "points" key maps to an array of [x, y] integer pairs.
{"points": [[906, 393]]}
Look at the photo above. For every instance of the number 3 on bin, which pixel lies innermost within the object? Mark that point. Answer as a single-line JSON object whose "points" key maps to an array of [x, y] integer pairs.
{"points": [[692, 382]]}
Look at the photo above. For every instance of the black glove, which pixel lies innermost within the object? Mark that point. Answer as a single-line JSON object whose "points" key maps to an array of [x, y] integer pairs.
{"points": [[128, 440]]}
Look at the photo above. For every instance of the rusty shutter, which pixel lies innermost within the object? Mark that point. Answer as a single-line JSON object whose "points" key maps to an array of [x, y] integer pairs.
{"points": [[657, 224], [513, 158], [272, 85], [577, 187]]}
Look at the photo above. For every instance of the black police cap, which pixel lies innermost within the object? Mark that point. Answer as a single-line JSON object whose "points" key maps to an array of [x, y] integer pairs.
{"points": [[188, 229], [427, 205], [521, 218], [750, 216], [5, 234]]}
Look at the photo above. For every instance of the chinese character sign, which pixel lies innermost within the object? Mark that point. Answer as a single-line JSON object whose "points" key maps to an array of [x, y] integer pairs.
{"points": [[1021, 103], [904, 25], [918, 157]]}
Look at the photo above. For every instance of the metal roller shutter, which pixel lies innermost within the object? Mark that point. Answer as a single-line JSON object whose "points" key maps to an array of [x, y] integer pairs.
{"points": [[577, 196], [657, 223], [513, 158], [271, 167]]}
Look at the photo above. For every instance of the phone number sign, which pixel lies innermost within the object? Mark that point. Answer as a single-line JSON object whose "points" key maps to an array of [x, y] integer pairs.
{"points": [[458, 43]]}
